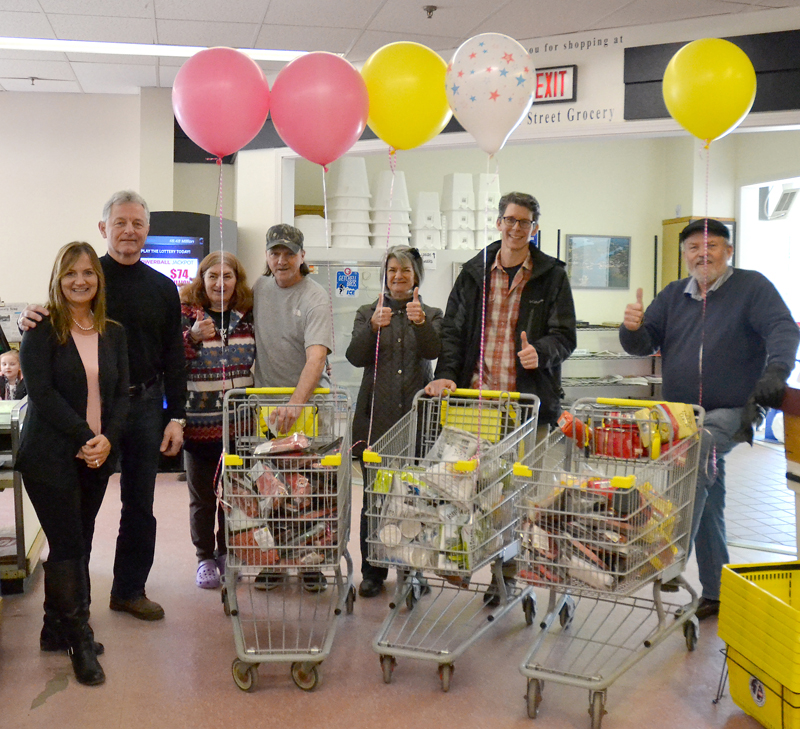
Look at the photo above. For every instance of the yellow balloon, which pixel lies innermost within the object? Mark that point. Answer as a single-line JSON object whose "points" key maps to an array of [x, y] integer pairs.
{"points": [[709, 87], [407, 100]]}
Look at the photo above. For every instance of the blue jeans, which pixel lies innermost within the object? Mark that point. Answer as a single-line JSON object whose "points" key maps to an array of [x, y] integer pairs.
{"points": [[140, 449], [708, 519]]}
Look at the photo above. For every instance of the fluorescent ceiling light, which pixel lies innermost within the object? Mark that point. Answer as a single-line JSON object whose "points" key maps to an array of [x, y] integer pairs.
{"points": [[132, 49]]}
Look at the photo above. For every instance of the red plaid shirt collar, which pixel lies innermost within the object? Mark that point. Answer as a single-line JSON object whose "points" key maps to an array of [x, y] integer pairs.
{"points": [[502, 313]]}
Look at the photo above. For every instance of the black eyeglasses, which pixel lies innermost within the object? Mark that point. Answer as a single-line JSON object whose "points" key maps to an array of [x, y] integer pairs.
{"points": [[524, 223]]}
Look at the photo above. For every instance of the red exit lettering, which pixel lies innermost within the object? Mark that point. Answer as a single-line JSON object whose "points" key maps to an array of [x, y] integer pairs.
{"points": [[551, 84]]}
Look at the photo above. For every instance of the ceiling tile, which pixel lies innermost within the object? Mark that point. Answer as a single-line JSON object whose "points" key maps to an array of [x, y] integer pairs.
{"points": [[241, 11], [104, 78], [25, 25], [453, 20], [108, 58], [51, 70], [55, 87], [97, 28], [32, 56], [205, 33], [166, 75], [109, 8], [296, 38], [20, 6], [321, 12], [372, 40], [643, 12]]}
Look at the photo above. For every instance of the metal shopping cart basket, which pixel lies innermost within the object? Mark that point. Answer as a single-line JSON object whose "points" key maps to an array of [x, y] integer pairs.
{"points": [[606, 511], [440, 497], [287, 503]]}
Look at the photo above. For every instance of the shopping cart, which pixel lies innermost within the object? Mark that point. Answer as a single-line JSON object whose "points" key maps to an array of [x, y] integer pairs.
{"points": [[287, 503], [606, 510], [441, 500]]}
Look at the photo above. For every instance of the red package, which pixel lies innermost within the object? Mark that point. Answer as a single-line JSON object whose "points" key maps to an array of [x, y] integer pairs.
{"points": [[245, 500], [299, 489], [294, 442], [245, 548], [268, 484], [618, 441]]}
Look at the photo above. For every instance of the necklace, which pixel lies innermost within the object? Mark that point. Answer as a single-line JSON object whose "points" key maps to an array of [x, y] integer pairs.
{"points": [[85, 329]]}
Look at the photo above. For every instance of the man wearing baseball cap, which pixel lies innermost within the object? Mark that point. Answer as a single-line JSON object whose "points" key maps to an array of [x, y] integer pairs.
{"points": [[294, 335]]}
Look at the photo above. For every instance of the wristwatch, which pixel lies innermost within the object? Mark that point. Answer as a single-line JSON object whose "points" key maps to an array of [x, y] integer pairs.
{"points": [[179, 421]]}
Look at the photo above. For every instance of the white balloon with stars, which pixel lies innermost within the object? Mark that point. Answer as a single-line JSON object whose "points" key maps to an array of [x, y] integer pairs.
{"points": [[490, 84]]}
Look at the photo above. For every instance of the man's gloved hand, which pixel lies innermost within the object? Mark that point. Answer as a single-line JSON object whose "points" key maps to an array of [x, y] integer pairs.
{"points": [[752, 416], [770, 389]]}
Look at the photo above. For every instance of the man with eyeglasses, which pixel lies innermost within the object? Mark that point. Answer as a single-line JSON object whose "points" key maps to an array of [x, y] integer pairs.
{"points": [[529, 321], [726, 339]]}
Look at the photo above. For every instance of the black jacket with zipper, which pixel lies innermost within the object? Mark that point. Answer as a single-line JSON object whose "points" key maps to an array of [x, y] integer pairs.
{"points": [[546, 315]]}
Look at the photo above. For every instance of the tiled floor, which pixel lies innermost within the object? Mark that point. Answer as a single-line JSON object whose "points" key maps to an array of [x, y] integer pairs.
{"points": [[760, 510], [177, 673]]}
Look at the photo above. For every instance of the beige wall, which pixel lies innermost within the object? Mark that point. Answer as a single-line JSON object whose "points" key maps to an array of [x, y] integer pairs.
{"points": [[63, 155]]}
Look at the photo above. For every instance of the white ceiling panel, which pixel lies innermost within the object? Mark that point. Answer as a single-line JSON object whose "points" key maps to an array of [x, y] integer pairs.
{"points": [[107, 58], [322, 12], [452, 20], [166, 76], [24, 25], [675, 10], [372, 40], [33, 56], [52, 70], [204, 33], [239, 11], [104, 78], [296, 38], [49, 87], [20, 6], [110, 8], [96, 28]]}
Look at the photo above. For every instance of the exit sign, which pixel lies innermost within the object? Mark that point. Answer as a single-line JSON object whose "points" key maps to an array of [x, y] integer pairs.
{"points": [[555, 84]]}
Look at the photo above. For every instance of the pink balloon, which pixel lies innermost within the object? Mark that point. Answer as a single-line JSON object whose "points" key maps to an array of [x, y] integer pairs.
{"points": [[320, 106], [221, 99]]}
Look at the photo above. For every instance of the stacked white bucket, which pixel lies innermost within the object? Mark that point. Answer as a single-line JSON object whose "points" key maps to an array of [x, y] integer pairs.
{"points": [[391, 211], [487, 198], [348, 203], [426, 227], [458, 209]]}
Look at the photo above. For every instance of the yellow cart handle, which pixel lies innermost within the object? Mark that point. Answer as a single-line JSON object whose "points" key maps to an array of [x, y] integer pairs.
{"points": [[459, 392], [282, 391], [622, 402]]}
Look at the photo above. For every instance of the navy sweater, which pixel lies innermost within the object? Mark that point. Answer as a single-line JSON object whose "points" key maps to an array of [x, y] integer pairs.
{"points": [[747, 326]]}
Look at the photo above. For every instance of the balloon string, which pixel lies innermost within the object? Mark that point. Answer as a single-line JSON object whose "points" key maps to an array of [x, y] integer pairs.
{"points": [[393, 168], [223, 330], [705, 278], [330, 280]]}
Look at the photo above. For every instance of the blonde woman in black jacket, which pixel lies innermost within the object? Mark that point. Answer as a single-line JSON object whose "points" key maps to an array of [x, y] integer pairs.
{"points": [[75, 364], [409, 339]]}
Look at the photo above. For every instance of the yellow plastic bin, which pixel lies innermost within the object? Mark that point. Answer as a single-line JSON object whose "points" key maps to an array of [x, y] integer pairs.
{"points": [[760, 617]]}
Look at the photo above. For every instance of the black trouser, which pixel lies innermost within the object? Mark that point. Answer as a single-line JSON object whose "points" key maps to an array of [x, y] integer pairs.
{"points": [[368, 571], [67, 507], [204, 511]]}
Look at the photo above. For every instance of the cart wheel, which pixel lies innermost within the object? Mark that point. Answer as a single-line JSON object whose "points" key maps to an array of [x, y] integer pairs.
{"points": [[567, 613], [534, 696], [350, 600], [529, 608], [306, 680], [245, 675], [445, 674], [597, 708], [225, 605], [691, 631], [387, 664]]}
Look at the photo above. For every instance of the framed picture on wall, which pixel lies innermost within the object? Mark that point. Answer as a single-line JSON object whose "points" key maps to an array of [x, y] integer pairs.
{"points": [[598, 261]]}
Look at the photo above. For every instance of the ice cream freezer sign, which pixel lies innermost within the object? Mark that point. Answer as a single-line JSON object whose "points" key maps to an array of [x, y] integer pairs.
{"points": [[347, 283]]}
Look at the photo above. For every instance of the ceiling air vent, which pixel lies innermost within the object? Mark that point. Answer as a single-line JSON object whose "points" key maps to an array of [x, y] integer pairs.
{"points": [[774, 201]]}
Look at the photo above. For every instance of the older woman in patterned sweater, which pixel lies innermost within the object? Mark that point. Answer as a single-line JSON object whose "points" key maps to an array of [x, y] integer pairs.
{"points": [[217, 313]]}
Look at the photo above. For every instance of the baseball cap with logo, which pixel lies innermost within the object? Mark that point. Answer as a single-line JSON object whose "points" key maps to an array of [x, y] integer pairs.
{"points": [[285, 235]]}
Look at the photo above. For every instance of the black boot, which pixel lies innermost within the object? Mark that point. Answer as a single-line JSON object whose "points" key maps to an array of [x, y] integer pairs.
{"points": [[53, 637], [70, 598]]}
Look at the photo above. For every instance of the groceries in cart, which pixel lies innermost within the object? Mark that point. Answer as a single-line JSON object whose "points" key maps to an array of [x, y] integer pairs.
{"points": [[644, 433], [594, 530], [283, 508], [438, 514]]}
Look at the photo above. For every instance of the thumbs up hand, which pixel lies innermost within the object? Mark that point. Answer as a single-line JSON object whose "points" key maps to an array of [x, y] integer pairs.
{"points": [[528, 356], [414, 310], [203, 327], [381, 316], [634, 313]]}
